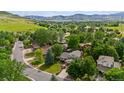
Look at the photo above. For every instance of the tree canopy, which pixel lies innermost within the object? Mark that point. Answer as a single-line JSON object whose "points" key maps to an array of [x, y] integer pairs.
{"points": [[80, 68]]}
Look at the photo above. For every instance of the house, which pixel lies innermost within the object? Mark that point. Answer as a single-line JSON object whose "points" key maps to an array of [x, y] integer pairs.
{"points": [[84, 45], [75, 54], [68, 57], [106, 62], [64, 56]]}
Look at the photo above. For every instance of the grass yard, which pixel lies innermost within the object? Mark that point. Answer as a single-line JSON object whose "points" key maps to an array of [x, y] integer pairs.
{"points": [[35, 62], [54, 68]]}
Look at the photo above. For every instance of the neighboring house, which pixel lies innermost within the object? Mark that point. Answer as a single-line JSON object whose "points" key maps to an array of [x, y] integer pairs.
{"points": [[68, 57], [64, 56], [75, 54], [106, 62], [84, 45]]}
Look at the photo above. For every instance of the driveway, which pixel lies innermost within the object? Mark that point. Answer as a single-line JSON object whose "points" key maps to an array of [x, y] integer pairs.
{"points": [[31, 72], [63, 74]]}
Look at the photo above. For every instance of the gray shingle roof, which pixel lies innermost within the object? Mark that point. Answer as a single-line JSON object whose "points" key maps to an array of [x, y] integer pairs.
{"points": [[71, 55]]}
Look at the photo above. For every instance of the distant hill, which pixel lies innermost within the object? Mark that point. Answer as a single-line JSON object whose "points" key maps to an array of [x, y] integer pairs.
{"points": [[118, 14], [11, 22], [82, 17]]}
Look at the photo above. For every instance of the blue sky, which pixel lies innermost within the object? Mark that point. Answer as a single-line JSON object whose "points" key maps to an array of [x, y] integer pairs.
{"points": [[53, 13]]}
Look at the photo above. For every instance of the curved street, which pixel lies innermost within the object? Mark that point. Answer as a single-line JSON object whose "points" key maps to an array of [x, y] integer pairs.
{"points": [[31, 72]]}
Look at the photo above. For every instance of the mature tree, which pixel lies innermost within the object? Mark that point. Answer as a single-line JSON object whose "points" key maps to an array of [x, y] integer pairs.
{"points": [[111, 51], [88, 66], [39, 55], [122, 61], [27, 43], [89, 37], [122, 39], [57, 49], [119, 46], [82, 37], [115, 74], [104, 50], [97, 51], [4, 56], [43, 36], [74, 69], [49, 58], [79, 69], [7, 43], [99, 35], [6, 38], [73, 42], [61, 36], [110, 41], [11, 70]]}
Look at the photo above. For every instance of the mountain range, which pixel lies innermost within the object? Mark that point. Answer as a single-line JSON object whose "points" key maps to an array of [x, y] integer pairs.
{"points": [[81, 17]]}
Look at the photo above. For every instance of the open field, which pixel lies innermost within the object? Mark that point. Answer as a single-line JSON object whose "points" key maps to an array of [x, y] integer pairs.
{"points": [[11, 22], [17, 24], [120, 27]]}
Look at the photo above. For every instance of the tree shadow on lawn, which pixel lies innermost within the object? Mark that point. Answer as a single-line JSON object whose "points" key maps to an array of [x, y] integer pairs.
{"points": [[45, 67]]}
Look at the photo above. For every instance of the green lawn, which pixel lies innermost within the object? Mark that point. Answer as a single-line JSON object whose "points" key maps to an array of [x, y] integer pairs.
{"points": [[35, 62], [120, 27], [54, 68], [17, 24]]}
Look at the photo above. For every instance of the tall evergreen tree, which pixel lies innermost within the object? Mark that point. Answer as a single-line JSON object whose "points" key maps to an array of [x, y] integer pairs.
{"points": [[49, 58]]}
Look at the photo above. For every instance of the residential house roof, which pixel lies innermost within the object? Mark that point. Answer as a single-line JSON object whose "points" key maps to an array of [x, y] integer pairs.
{"points": [[75, 54], [106, 61], [65, 56]]}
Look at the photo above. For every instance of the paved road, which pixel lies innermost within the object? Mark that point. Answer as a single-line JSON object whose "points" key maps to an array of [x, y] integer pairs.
{"points": [[17, 52], [29, 71]]}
